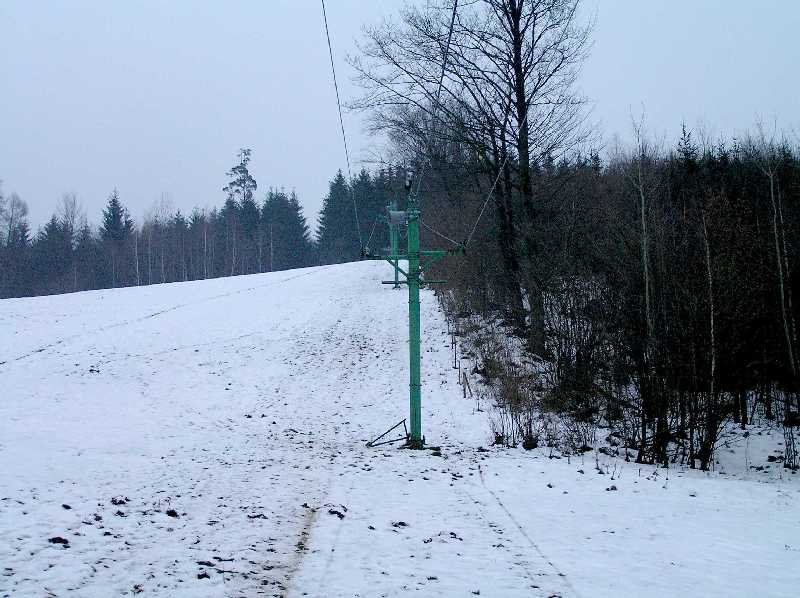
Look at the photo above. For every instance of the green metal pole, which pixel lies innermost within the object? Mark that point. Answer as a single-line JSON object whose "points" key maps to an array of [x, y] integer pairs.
{"points": [[416, 440], [394, 233]]}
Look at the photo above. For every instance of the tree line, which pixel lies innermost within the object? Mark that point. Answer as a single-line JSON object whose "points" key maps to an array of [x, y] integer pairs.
{"points": [[651, 294], [243, 236], [668, 288]]}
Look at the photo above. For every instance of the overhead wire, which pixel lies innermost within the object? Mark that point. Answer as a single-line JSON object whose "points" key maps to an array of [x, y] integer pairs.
{"points": [[485, 203], [465, 243], [372, 232], [437, 233], [341, 123], [439, 89]]}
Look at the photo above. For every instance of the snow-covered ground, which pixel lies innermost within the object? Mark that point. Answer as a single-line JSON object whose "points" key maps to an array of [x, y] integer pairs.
{"points": [[208, 439]]}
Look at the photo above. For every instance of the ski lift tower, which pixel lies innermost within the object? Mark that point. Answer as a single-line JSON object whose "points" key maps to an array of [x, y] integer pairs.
{"points": [[418, 262]]}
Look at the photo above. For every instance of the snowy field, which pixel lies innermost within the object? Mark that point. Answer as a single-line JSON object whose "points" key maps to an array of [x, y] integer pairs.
{"points": [[207, 439]]}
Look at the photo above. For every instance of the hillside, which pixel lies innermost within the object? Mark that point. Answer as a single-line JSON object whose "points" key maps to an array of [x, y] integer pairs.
{"points": [[208, 439]]}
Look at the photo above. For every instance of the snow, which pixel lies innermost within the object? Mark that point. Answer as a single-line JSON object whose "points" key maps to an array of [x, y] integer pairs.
{"points": [[244, 405]]}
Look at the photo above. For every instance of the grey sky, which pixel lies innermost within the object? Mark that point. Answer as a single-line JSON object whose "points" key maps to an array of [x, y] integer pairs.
{"points": [[719, 64], [153, 97]]}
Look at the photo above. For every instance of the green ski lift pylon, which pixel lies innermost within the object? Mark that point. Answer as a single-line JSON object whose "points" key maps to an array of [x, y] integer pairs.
{"points": [[418, 262]]}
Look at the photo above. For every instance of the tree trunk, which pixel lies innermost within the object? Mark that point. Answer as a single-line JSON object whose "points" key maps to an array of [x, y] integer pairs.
{"points": [[709, 438], [742, 408], [136, 256], [205, 251], [780, 263], [521, 106]]}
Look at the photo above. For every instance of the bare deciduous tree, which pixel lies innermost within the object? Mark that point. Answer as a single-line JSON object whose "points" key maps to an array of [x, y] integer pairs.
{"points": [[504, 87]]}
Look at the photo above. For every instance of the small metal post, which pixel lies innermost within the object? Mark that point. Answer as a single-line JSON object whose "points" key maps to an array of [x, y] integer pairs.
{"points": [[394, 246]]}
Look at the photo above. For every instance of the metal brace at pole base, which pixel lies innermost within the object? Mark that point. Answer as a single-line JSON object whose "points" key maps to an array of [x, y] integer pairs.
{"points": [[375, 442]]}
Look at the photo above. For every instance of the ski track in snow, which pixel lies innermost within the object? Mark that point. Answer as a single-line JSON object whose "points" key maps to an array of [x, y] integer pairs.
{"points": [[244, 405], [154, 314]]}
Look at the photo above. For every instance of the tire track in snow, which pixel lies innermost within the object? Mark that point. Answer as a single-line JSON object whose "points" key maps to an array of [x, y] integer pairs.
{"points": [[304, 537], [525, 534], [310, 518], [480, 514], [336, 344]]}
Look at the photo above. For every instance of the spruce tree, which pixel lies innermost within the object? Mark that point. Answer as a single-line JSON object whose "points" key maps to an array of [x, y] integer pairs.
{"points": [[287, 242], [87, 257], [299, 232], [249, 218], [382, 196], [116, 232], [337, 238], [117, 224], [52, 258], [364, 193]]}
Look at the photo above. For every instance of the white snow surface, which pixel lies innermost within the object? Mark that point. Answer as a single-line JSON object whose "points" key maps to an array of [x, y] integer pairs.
{"points": [[242, 405]]}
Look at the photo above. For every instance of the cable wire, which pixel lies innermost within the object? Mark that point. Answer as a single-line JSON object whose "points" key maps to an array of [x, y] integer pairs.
{"points": [[436, 232], [372, 232], [485, 203], [439, 89], [341, 122]]}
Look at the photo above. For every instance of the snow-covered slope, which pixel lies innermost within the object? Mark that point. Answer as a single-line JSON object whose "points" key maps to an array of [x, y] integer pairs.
{"points": [[207, 439]]}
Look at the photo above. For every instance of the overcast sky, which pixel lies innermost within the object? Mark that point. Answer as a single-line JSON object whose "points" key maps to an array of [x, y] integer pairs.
{"points": [[156, 97]]}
